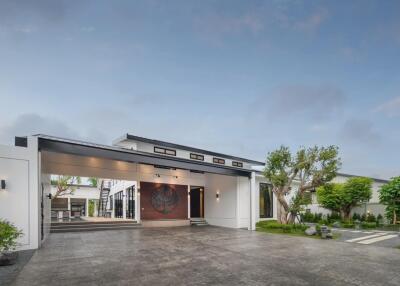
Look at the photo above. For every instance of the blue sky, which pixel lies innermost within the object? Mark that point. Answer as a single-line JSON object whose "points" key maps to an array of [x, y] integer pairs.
{"points": [[240, 77]]}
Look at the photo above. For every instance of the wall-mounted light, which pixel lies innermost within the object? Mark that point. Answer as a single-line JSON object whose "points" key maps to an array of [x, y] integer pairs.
{"points": [[217, 196], [3, 184], [176, 177], [158, 175]]}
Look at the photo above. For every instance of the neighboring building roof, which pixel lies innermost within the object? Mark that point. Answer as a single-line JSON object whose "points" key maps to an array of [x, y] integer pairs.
{"points": [[183, 147], [352, 176], [82, 148]]}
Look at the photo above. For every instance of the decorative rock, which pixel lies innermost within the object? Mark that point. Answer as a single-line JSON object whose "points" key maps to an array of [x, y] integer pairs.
{"points": [[311, 230]]}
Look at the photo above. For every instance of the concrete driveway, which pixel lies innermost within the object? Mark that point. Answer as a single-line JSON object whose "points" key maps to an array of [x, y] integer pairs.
{"points": [[206, 256]]}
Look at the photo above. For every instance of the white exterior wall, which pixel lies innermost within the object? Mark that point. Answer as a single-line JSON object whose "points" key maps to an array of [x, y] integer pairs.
{"points": [[19, 203], [149, 148], [222, 211]]}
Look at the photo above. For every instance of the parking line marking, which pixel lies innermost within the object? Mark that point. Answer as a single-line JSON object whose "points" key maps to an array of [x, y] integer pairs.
{"points": [[364, 237], [383, 237], [355, 231]]}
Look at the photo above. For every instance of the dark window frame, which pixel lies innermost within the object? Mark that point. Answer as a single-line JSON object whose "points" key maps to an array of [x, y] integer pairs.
{"points": [[164, 151], [219, 161], [266, 212], [237, 164], [197, 157]]}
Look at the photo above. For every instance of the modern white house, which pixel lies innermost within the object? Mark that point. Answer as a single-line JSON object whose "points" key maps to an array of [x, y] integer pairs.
{"points": [[153, 182]]}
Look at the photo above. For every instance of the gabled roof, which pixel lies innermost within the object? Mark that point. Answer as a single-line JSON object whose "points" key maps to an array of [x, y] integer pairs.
{"points": [[186, 148]]}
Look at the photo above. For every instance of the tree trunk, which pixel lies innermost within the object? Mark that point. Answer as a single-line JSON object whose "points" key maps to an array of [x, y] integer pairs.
{"points": [[347, 212], [283, 209], [394, 216]]}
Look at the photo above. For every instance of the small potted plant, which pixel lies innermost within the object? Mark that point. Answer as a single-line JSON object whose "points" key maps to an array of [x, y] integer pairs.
{"points": [[8, 242]]}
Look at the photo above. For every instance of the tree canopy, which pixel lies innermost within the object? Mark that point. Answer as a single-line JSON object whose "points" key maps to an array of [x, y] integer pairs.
{"points": [[330, 196], [389, 195], [343, 197]]}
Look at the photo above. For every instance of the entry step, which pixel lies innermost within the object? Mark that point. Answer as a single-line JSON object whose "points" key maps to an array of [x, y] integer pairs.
{"points": [[198, 221], [92, 226]]}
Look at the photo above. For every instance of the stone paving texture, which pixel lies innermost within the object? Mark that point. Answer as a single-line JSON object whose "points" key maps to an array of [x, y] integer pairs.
{"points": [[205, 256]]}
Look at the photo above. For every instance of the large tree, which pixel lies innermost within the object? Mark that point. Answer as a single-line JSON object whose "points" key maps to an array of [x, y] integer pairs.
{"points": [[344, 197], [65, 185], [356, 191], [389, 195], [330, 196], [311, 167]]}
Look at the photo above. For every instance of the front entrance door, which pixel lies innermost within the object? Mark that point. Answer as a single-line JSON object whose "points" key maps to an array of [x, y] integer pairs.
{"points": [[196, 202]]}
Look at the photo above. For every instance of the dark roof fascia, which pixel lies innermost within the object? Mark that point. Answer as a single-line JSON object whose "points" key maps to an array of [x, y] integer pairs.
{"points": [[187, 148], [81, 148]]}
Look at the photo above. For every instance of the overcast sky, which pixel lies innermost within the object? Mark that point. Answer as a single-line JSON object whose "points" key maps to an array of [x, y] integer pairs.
{"points": [[239, 77]]}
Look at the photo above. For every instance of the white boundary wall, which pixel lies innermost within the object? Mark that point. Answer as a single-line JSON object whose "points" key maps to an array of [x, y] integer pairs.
{"points": [[20, 201]]}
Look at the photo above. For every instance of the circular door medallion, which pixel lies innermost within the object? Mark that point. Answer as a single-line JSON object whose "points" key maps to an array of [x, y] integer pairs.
{"points": [[164, 199]]}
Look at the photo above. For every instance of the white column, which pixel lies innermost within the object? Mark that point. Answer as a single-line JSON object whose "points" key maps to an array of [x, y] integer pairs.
{"points": [[253, 201], [124, 204], [237, 202], [87, 208], [138, 202], [113, 206], [188, 191], [69, 207]]}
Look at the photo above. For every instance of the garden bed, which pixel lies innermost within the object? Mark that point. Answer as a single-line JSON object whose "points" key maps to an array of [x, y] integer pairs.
{"points": [[273, 226]]}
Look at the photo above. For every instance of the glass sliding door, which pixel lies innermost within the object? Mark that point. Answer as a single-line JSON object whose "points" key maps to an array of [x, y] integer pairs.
{"points": [[266, 201], [118, 201]]}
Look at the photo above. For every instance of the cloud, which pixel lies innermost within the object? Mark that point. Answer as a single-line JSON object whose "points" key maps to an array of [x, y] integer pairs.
{"points": [[359, 131], [88, 29], [214, 26], [390, 108], [31, 123], [318, 102], [312, 22]]}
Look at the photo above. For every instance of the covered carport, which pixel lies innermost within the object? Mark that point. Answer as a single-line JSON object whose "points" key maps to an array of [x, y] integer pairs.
{"points": [[228, 191]]}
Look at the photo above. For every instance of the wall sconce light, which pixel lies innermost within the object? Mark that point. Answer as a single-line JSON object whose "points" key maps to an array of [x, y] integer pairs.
{"points": [[158, 175], [217, 196], [3, 184], [176, 177]]}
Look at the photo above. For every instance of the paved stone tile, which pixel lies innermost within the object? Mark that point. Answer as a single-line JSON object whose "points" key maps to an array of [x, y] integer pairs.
{"points": [[205, 256]]}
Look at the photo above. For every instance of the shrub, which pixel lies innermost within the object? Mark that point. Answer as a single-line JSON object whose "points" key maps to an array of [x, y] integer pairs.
{"points": [[334, 217], [311, 217], [348, 225], [8, 236], [363, 217], [368, 224], [370, 218], [287, 228], [356, 216], [323, 221], [91, 208]]}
